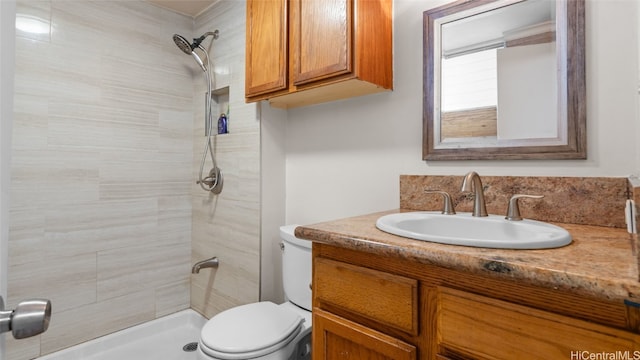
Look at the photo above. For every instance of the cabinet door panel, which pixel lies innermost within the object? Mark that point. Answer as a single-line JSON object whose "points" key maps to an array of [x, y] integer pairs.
{"points": [[473, 326], [337, 338], [322, 34], [266, 57]]}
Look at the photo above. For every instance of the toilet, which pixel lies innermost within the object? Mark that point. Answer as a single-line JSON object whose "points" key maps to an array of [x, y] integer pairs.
{"points": [[265, 330]]}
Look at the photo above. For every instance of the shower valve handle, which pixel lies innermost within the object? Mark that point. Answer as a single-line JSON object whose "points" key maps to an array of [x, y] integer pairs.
{"points": [[30, 318]]}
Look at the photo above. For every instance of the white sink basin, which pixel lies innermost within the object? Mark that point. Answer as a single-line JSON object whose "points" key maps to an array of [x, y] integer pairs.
{"points": [[463, 229]]}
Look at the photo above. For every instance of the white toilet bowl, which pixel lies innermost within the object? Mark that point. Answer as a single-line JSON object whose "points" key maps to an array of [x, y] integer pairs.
{"points": [[264, 330]]}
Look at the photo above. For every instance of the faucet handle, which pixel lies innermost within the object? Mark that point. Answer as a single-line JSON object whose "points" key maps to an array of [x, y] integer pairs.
{"points": [[513, 211], [447, 206]]}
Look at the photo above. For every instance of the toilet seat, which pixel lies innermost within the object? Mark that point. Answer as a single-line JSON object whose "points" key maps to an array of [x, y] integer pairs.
{"points": [[249, 331]]}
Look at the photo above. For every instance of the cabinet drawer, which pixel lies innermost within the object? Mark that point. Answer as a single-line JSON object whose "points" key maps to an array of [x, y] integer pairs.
{"points": [[473, 326], [389, 299]]}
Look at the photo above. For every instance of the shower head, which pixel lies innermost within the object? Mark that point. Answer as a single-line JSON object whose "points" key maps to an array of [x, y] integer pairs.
{"points": [[182, 43], [188, 49]]}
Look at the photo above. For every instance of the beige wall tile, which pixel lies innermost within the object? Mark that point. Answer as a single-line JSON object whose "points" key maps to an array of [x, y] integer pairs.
{"points": [[68, 281], [26, 233], [102, 145], [84, 323], [172, 297], [118, 135], [23, 349], [30, 122], [133, 268], [227, 226]]}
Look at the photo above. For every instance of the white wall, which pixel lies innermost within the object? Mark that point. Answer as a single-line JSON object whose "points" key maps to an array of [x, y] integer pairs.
{"points": [[528, 112], [273, 190], [637, 41], [344, 158]]}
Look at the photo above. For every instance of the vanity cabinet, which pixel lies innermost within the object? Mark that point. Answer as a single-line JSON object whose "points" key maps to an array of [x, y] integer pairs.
{"points": [[301, 52], [367, 306]]}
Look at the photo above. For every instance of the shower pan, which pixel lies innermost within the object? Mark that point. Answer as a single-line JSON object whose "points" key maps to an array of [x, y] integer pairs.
{"points": [[213, 181]]}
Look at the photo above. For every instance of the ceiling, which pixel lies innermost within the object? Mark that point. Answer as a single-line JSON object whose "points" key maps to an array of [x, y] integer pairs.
{"points": [[191, 8]]}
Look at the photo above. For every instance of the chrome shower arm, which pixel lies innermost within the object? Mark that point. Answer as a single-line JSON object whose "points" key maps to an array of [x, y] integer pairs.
{"points": [[197, 41]]}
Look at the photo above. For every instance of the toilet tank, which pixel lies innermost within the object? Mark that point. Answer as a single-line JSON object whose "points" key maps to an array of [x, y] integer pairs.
{"points": [[296, 267]]}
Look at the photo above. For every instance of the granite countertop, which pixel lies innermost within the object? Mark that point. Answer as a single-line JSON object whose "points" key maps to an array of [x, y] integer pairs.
{"points": [[600, 262]]}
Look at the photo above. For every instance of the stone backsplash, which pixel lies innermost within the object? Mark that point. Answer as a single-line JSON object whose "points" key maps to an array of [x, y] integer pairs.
{"points": [[634, 187], [596, 201]]}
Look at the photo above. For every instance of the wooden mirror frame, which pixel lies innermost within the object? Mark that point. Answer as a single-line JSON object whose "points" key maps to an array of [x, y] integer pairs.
{"points": [[576, 147]]}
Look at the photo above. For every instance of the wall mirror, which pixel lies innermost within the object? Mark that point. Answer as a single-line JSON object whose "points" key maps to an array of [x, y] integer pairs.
{"points": [[504, 79]]}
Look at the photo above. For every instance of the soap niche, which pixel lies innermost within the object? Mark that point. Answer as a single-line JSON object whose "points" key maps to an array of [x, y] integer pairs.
{"points": [[219, 105]]}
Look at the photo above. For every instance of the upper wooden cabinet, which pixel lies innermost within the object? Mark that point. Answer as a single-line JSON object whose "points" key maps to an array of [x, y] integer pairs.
{"points": [[321, 39], [266, 58], [302, 52]]}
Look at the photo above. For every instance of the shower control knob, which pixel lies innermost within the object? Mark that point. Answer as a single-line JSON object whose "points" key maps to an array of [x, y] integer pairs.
{"points": [[30, 318]]}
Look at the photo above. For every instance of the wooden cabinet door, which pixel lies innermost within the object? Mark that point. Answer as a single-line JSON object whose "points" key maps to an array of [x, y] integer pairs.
{"points": [[266, 58], [321, 36], [471, 326], [335, 338]]}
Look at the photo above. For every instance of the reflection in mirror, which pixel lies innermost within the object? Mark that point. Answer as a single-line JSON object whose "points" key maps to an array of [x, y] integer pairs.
{"points": [[512, 46], [499, 76]]}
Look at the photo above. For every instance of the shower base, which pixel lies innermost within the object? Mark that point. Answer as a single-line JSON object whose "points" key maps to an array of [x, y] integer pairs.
{"points": [[163, 338]]}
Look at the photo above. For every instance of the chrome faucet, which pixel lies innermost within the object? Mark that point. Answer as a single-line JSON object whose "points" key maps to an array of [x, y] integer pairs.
{"points": [[447, 204], [472, 183], [513, 211], [209, 263]]}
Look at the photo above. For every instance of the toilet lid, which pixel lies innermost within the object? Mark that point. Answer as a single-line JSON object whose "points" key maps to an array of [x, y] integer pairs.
{"points": [[250, 328]]}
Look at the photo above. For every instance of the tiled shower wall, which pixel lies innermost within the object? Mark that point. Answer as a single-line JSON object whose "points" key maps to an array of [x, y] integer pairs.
{"points": [[100, 216], [227, 225]]}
